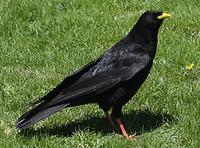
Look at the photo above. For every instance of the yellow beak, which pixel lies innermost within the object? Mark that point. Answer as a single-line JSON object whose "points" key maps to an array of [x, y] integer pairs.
{"points": [[164, 15]]}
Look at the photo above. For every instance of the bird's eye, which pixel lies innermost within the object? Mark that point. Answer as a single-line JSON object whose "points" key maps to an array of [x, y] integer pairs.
{"points": [[155, 15]]}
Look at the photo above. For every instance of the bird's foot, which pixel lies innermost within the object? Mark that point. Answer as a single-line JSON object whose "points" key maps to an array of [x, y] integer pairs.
{"points": [[131, 137], [123, 130]]}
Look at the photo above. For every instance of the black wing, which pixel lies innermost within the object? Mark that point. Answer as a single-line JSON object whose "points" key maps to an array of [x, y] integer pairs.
{"points": [[108, 72]]}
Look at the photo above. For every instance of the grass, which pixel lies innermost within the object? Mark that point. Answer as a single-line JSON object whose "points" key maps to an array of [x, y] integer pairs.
{"points": [[41, 42]]}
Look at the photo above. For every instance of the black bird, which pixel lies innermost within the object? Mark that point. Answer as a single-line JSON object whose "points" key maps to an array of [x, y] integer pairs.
{"points": [[111, 80]]}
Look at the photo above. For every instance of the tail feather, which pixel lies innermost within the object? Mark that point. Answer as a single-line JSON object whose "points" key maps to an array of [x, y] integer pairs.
{"points": [[37, 114], [46, 108]]}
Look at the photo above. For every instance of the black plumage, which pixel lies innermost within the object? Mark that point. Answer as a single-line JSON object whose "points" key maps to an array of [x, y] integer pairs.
{"points": [[111, 80]]}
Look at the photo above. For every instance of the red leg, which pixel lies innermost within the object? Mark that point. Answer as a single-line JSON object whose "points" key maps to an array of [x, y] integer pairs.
{"points": [[109, 118], [123, 130]]}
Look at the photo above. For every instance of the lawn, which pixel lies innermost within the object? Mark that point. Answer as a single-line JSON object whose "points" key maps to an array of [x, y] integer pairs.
{"points": [[41, 42]]}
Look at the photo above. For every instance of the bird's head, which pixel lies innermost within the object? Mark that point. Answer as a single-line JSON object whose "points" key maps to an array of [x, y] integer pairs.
{"points": [[148, 25], [153, 18], [146, 29]]}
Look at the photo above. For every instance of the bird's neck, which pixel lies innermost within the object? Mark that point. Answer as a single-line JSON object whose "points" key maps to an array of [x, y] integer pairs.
{"points": [[146, 36]]}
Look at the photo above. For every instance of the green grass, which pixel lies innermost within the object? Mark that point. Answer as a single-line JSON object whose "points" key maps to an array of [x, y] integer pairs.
{"points": [[41, 42]]}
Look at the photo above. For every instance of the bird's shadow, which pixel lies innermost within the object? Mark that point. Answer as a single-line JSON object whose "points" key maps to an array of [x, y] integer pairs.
{"points": [[137, 122]]}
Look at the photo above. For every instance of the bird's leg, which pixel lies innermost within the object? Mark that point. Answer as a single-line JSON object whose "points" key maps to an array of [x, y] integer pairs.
{"points": [[123, 130], [109, 118]]}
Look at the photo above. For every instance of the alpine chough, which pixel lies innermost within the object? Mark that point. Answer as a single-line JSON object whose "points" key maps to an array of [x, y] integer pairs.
{"points": [[110, 81]]}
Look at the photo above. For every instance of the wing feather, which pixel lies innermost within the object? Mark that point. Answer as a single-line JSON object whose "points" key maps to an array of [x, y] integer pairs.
{"points": [[101, 82]]}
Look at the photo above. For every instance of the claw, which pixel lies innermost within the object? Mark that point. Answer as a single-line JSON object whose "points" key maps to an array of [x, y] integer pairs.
{"points": [[131, 137]]}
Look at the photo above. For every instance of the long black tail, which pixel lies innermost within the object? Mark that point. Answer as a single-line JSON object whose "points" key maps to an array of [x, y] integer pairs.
{"points": [[38, 113], [46, 108]]}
